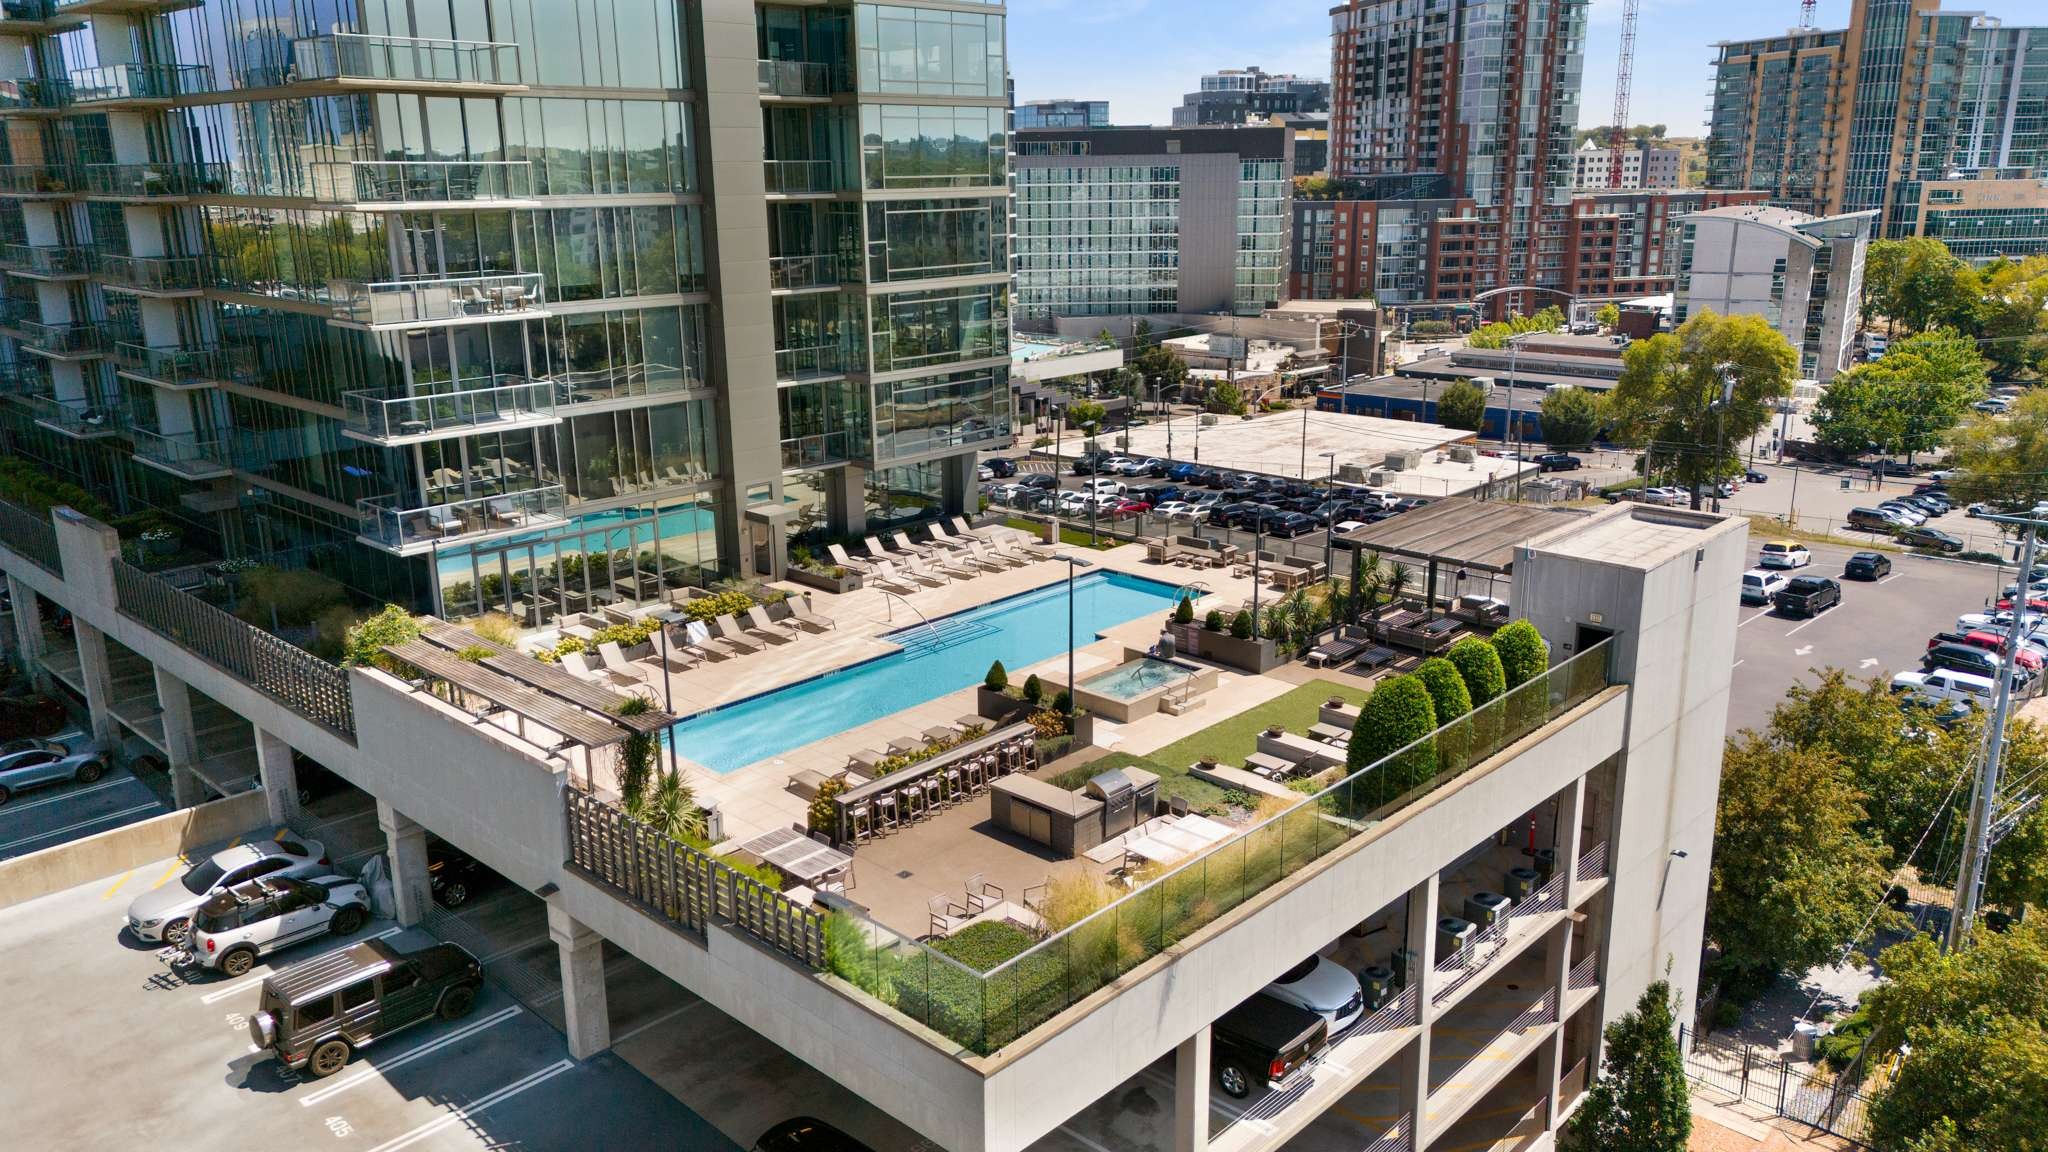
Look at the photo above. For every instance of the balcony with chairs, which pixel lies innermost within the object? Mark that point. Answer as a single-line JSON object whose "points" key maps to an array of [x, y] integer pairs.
{"points": [[37, 181], [152, 275], [79, 419], [372, 185], [185, 455], [184, 368], [63, 341], [159, 180], [33, 95], [133, 85], [390, 417], [361, 60], [436, 300], [47, 261], [407, 526]]}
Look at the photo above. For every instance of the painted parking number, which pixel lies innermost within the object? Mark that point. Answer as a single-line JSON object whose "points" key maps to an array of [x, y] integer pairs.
{"points": [[237, 1021], [340, 1127]]}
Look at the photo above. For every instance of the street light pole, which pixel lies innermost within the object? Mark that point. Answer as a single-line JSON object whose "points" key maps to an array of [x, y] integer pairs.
{"points": [[1094, 494], [1329, 485]]}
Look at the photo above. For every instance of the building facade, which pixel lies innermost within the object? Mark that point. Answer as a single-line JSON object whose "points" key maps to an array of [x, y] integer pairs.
{"points": [[1144, 221], [1859, 119], [1625, 244], [1241, 95], [1802, 273], [1642, 166], [1483, 96], [444, 303], [1063, 114]]}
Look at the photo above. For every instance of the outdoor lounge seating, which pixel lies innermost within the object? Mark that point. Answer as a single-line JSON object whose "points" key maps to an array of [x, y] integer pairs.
{"points": [[757, 616], [731, 627], [695, 637], [1269, 766], [907, 547], [980, 553], [912, 570], [885, 577], [952, 565], [729, 631], [1330, 734], [578, 664], [1349, 641], [1027, 552], [615, 662], [839, 557], [966, 531], [944, 539], [806, 619]]}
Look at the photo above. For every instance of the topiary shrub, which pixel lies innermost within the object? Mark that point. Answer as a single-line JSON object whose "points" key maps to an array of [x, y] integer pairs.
{"points": [[1241, 625], [1478, 665], [998, 678], [823, 815], [1034, 691], [1184, 610], [1396, 715], [1214, 620], [1523, 655], [1446, 688], [1063, 703]]}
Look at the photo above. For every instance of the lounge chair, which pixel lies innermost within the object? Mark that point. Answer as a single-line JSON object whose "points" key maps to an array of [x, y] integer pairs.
{"points": [[921, 573], [1349, 641], [578, 664], [505, 512], [960, 528], [943, 538], [806, 619], [624, 670], [926, 579], [698, 641], [1009, 546], [761, 625], [888, 579], [729, 631], [904, 545], [952, 565], [991, 559], [839, 557], [675, 659], [875, 549], [730, 627]]}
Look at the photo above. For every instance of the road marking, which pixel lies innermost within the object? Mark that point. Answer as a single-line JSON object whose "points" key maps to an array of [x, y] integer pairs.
{"points": [[220, 994], [316, 829], [1083, 1139], [654, 1023], [372, 1071], [149, 807], [168, 873], [514, 950], [1754, 619], [1811, 620], [463, 1113], [86, 791], [109, 893], [1738, 664], [1889, 579], [1868, 662]]}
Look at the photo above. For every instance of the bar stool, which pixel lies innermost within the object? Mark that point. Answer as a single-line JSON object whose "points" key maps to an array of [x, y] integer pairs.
{"points": [[912, 797], [887, 816], [976, 769], [934, 794], [955, 783], [862, 821]]}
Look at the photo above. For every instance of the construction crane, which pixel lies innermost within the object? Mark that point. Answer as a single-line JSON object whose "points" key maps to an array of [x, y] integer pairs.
{"points": [[1623, 73], [1806, 13]]}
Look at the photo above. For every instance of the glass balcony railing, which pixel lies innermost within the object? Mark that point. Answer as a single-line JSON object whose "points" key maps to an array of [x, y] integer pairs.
{"points": [[25, 11], [795, 272], [46, 260], [35, 180], [797, 176], [500, 296], [409, 182], [34, 95], [152, 273], [63, 339], [817, 451], [25, 377], [384, 414], [803, 363], [118, 82], [803, 78], [197, 366], [76, 417], [399, 60], [400, 524], [186, 453], [148, 181], [89, 7]]}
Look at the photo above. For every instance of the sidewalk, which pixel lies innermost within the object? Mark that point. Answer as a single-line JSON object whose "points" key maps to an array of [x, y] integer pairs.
{"points": [[1719, 1126]]}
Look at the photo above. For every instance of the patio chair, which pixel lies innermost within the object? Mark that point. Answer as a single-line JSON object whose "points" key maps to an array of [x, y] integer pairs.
{"points": [[806, 619], [1029, 553], [914, 571], [875, 549], [945, 915], [506, 513], [729, 631], [1349, 641], [981, 895], [615, 662], [578, 664], [991, 559], [961, 528], [839, 557], [949, 565], [904, 545], [730, 628], [697, 640], [678, 659], [886, 579], [763, 626], [943, 538]]}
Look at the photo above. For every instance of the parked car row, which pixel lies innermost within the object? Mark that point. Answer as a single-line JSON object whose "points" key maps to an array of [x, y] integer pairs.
{"points": [[1278, 508], [1963, 666], [1905, 519]]}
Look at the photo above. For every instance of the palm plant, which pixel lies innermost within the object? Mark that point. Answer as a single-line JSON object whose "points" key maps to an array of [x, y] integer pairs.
{"points": [[671, 809], [1301, 612], [1395, 587], [1368, 580]]}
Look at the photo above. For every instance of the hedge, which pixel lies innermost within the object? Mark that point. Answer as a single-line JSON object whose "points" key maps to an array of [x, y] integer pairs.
{"points": [[1478, 664], [1397, 714], [983, 946], [1523, 655], [1446, 687]]}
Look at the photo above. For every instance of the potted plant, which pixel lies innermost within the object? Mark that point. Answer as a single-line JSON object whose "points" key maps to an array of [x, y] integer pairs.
{"points": [[160, 541], [1276, 731]]}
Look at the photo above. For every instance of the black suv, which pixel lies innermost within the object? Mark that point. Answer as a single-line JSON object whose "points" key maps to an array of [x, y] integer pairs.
{"points": [[1962, 658], [1265, 1041], [804, 1134], [1559, 462], [454, 875], [1001, 466], [1868, 566], [315, 1015], [1807, 596]]}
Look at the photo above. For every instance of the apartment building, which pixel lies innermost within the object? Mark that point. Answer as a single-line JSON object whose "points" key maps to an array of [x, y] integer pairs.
{"points": [[1626, 244], [1349, 249], [441, 302], [1242, 95], [1150, 221], [1859, 119], [1802, 273], [1643, 165], [1063, 114], [1484, 97]]}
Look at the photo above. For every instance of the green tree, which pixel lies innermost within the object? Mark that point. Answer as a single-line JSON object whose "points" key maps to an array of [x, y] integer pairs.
{"points": [[1671, 388], [1158, 364], [998, 678], [2003, 461], [2012, 315], [1490, 336], [1446, 686], [1478, 663], [1918, 283], [1641, 1102], [671, 809], [1461, 405], [1226, 398], [1608, 317], [1908, 401], [1085, 414], [1398, 713], [1794, 873], [1550, 319], [1523, 655], [1141, 334], [1571, 417]]}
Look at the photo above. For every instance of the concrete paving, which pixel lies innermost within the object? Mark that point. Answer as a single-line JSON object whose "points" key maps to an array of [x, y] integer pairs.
{"points": [[59, 813]]}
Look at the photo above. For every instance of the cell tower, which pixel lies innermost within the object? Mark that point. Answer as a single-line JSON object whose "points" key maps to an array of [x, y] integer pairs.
{"points": [[1623, 74]]}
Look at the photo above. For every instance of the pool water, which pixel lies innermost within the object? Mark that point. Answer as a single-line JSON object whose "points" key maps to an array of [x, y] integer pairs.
{"points": [[945, 656], [1136, 678]]}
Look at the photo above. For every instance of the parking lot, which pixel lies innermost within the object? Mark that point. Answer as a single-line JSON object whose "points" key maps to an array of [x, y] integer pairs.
{"points": [[58, 813]]}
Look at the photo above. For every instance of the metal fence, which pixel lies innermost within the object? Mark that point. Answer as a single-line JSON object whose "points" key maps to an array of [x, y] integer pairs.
{"points": [[1835, 1105], [278, 668], [683, 886], [31, 536], [1984, 540]]}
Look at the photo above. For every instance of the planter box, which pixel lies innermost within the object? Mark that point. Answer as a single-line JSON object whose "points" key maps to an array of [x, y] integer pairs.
{"points": [[1253, 655], [823, 583], [999, 706]]}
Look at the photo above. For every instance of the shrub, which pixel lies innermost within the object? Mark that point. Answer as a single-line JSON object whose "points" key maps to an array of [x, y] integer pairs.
{"points": [[1033, 690], [1523, 655], [1241, 625], [496, 627], [1446, 688], [366, 640], [1184, 610], [1214, 620], [718, 604], [288, 599], [1049, 724], [1478, 665], [636, 755], [824, 814], [473, 654], [1063, 703], [998, 678], [983, 946], [1397, 714]]}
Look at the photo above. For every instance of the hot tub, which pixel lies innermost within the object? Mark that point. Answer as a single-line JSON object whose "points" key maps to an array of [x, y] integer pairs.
{"points": [[1139, 685]]}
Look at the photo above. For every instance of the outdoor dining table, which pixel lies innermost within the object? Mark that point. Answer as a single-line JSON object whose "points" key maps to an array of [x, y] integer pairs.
{"points": [[798, 856], [1330, 733]]}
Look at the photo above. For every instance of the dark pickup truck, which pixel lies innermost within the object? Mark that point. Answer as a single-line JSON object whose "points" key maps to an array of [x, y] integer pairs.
{"points": [[1265, 1041], [1807, 596]]}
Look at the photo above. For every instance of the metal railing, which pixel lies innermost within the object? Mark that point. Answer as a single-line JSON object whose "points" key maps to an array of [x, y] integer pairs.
{"points": [[800, 176], [803, 78], [138, 82], [63, 339], [32, 537], [28, 10], [1399, 1138], [1400, 1012], [34, 94], [1585, 974], [420, 181], [819, 271], [387, 413], [683, 886], [186, 453], [1593, 862], [1832, 1104], [179, 367], [148, 181], [27, 376], [36, 180], [152, 273], [805, 363], [77, 417], [986, 1010], [404, 59], [492, 297], [385, 522], [275, 667], [47, 259]]}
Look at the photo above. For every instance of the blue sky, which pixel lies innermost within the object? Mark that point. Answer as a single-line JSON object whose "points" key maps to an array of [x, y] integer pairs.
{"points": [[1141, 55]]}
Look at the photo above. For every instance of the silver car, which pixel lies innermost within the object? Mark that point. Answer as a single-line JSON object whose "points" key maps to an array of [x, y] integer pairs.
{"points": [[33, 763], [165, 913]]}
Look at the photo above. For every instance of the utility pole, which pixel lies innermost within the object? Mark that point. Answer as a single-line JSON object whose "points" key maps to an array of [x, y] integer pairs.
{"points": [[1984, 793]]}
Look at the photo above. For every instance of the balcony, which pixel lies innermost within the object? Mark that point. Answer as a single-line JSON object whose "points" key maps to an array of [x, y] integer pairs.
{"points": [[20, 16], [802, 79], [137, 85], [407, 528], [63, 341], [23, 378], [810, 363], [436, 300], [359, 60], [800, 177], [184, 455], [161, 276], [35, 181], [372, 185], [31, 96], [130, 7], [47, 262], [74, 418], [166, 180], [389, 418], [802, 273], [817, 451], [183, 368]]}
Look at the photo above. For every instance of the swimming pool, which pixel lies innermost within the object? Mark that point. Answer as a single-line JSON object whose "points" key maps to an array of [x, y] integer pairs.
{"points": [[952, 653]]}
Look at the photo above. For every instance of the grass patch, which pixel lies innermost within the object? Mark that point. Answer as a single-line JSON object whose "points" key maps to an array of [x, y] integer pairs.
{"points": [[983, 946], [1076, 537], [1238, 737], [1772, 528]]}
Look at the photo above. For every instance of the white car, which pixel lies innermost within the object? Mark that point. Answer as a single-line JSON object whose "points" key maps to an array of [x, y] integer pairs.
{"points": [[1760, 584], [1943, 475], [1105, 484], [984, 472], [1071, 501], [166, 913], [1179, 511], [1910, 517], [1346, 527], [1323, 986], [1113, 465], [1133, 467], [1007, 493], [236, 926], [1783, 554], [1945, 684]]}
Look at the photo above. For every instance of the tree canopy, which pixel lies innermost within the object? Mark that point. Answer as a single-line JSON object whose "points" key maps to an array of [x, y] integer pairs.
{"points": [[1461, 405], [1669, 395], [2003, 461], [1918, 284], [1572, 417], [1641, 1102], [1906, 402]]}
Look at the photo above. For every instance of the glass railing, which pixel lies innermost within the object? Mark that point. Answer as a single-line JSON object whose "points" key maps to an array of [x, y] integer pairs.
{"points": [[26, 377], [502, 296], [63, 339], [986, 1010], [74, 416], [138, 82], [816, 451], [179, 367], [34, 95], [143, 181], [385, 413], [799, 176], [803, 363], [152, 273], [36, 180], [402, 59], [408, 181], [803, 78], [47, 260], [792, 272], [186, 453], [26, 10], [395, 524]]}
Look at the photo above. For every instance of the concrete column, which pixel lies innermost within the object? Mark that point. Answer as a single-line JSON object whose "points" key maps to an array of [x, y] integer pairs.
{"points": [[1191, 1093], [1422, 918], [1571, 838], [280, 777], [586, 1019], [846, 512], [407, 841], [98, 678], [1557, 969], [181, 744], [28, 629]]}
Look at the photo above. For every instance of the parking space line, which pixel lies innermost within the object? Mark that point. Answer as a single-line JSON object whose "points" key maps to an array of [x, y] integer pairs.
{"points": [[220, 994], [73, 794], [654, 1023], [149, 807], [1889, 579], [1814, 620], [372, 1071], [1082, 1139], [1738, 664], [420, 1133], [1754, 619], [109, 893], [513, 950]]}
